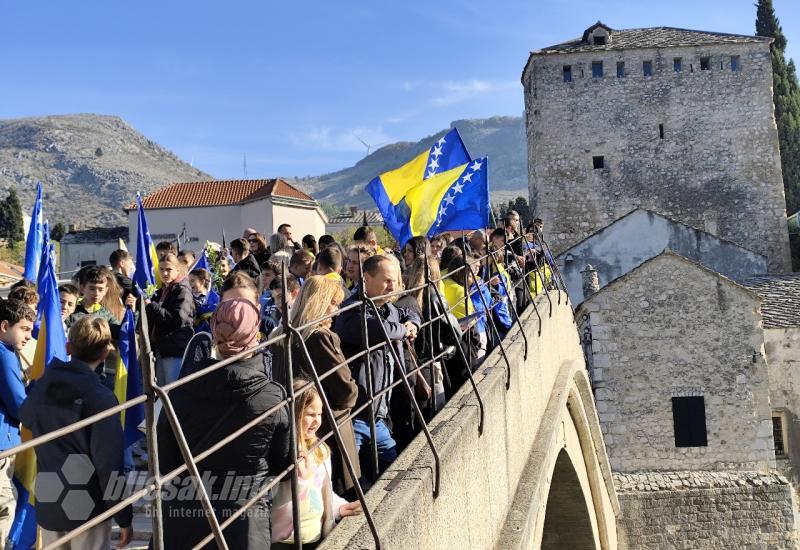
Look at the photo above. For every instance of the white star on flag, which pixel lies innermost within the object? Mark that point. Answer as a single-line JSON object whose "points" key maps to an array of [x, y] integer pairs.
{"points": [[430, 173], [449, 199], [442, 211], [434, 164], [457, 188], [442, 141], [437, 151], [475, 166], [467, 177]]}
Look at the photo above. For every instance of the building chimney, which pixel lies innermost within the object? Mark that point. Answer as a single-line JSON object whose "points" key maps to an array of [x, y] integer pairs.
{"points": [[591, 282], [73, 227]]}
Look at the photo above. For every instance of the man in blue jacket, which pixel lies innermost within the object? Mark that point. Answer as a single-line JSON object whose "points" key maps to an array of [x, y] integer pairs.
{"points": [[16, 324], [380, 278]]}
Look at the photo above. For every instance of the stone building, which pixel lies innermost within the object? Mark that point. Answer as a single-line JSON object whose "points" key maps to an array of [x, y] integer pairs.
{"points": [[640, 235], [676, 121], [781, 312], [678, 370], [683, 389]]}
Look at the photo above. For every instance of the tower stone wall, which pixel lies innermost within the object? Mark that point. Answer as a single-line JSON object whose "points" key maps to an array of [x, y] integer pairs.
{"points": [[699, 145]]}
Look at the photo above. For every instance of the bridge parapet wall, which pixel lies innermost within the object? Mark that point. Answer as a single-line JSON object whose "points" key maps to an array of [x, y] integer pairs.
{"points": [[495, 485]]}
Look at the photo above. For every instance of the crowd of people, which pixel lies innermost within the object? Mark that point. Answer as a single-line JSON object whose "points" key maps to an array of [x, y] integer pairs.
{"points": [[461, 296]]}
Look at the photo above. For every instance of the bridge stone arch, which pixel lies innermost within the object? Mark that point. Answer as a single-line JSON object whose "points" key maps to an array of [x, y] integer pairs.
{"points": [[541, 451]]}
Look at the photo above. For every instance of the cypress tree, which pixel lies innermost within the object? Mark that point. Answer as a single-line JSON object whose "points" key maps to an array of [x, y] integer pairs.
{"points": [[14, 225], [786, 96]]}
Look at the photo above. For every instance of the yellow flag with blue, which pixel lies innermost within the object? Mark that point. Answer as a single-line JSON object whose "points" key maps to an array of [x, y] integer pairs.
{"points": [[390, 189], [51, 343]]}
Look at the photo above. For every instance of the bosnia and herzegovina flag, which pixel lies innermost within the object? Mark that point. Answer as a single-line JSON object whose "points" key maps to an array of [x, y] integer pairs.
{"points": [[451, 201], [389, 190], [128, 379], [33, 244], [146, 275], [51, 343]]}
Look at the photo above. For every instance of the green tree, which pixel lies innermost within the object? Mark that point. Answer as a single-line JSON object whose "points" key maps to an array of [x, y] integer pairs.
{"points": [[11, 227], [786, 96], [521, 206], [58, 232]]}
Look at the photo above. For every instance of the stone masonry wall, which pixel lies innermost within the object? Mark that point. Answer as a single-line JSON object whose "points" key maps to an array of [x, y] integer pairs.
{"points": [[672, 328], [717, 167], [692, 510], [782, 347]]}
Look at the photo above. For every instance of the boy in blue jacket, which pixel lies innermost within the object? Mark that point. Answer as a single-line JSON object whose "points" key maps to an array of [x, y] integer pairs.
{"points": [[16, 324]]}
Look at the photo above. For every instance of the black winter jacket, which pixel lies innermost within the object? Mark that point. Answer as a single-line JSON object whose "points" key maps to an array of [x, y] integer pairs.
{"points": [[65, 394], [209, 409], [250, 266], [171, 321], [348, 327]]}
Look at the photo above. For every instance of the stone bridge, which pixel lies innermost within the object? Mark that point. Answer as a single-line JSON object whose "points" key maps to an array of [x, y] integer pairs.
{"points": [[538, 474]]}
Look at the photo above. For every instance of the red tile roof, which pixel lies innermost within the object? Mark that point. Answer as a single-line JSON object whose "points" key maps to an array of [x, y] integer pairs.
{"points": [[219, 193]]}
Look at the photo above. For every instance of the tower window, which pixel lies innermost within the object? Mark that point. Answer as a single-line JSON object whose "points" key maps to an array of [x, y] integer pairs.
{"points": [[598, 162], [705, 63], [734, 63], [677, 64], [777, 435], [597, 69], [689, 421], [567, 73], [647, 68], [661, 131], [620, 69]]}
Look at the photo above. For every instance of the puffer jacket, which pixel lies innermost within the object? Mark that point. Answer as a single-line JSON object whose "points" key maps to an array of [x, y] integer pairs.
{"points": [[209, 409]]}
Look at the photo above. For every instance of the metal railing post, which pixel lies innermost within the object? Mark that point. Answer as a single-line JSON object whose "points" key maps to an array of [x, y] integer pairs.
{"points": [[287, 360], [508, 288], [373, 430], [148, 381], [337, 434]]}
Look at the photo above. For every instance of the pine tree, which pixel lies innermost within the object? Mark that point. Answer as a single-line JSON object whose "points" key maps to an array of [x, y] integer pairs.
{"points": [[58, 232], [786, 96], [11, 227]]}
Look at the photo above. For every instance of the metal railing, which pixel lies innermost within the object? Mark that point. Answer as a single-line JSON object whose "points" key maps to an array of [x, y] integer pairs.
{"points": [[536, 254]]}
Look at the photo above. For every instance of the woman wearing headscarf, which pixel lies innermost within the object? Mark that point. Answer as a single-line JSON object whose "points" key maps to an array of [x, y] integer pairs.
{"points": [[209, 409]]}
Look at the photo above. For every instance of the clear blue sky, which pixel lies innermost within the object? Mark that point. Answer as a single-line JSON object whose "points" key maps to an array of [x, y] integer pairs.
{"points": [[293, 84]]}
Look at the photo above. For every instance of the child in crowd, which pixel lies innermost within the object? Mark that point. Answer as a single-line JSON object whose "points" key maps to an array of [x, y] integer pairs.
{"points": [[123, 267], [224, 266], [16, 324], [170, 314], [269, 272], [320, 508], [165, 247], [310, 245], [205, 300], [99, 294], [355, 255], [187, 258], [69, 295], [65, 394], [26, 293]]}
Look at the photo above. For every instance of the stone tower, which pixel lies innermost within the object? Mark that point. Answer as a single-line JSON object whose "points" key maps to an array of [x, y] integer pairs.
{"points": [[676, 121]]}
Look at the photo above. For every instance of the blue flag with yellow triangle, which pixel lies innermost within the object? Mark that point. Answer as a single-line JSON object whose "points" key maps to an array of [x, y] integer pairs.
{"points": [[389, 190]]}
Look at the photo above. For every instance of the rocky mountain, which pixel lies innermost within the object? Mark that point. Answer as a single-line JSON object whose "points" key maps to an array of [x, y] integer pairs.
{"points": [[90, 166], [501, 138]]}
